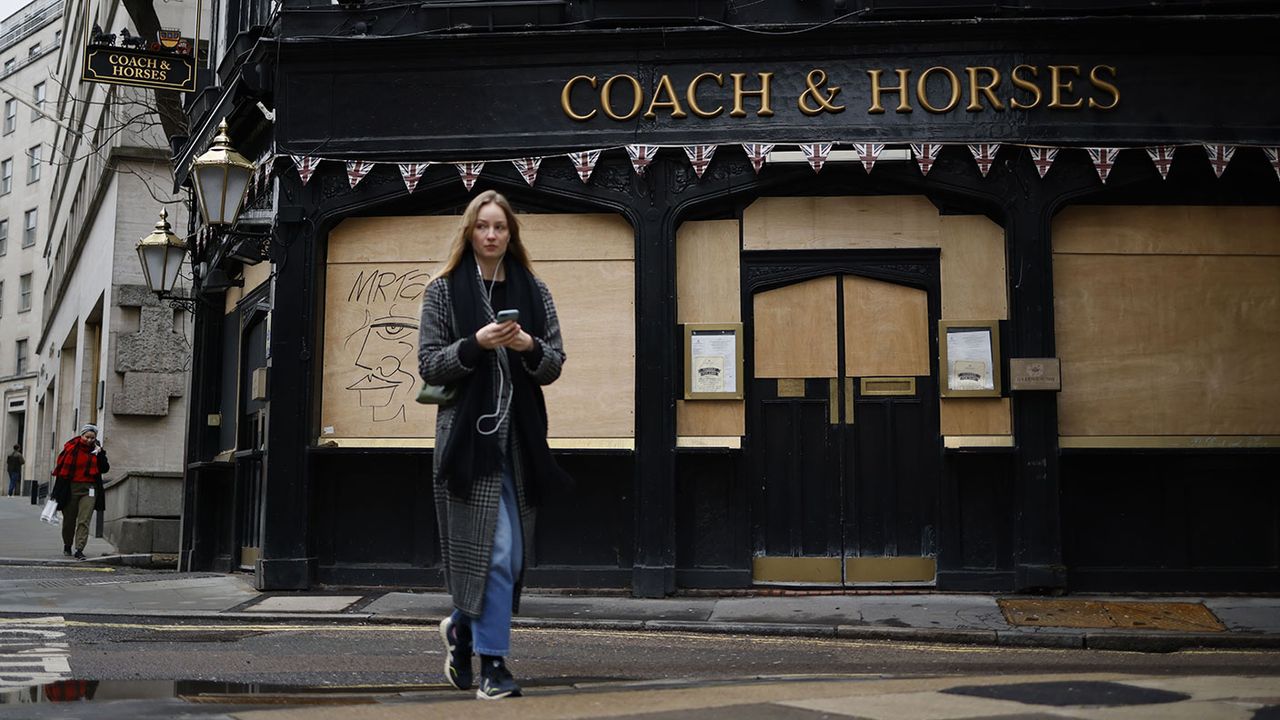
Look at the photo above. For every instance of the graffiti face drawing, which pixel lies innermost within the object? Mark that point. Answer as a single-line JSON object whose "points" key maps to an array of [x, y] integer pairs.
{"points": [[384, 345]]}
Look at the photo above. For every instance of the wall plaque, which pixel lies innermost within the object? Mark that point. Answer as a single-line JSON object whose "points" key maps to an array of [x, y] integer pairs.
{"points": [[1035, 374]]}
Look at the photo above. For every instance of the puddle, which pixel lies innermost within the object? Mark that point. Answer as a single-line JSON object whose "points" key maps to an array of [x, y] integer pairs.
{"points": [[202, 692]]}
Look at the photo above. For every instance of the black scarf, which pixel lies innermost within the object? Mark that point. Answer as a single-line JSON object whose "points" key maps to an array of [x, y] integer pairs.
{"points": [[469, 454]]}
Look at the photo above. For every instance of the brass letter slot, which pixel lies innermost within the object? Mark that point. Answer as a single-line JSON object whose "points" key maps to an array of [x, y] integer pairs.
{"points": [[889, 386], [790, 387]]}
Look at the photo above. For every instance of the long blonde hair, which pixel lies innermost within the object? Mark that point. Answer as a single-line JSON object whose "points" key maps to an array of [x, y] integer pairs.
{"points": [[466, 226]]}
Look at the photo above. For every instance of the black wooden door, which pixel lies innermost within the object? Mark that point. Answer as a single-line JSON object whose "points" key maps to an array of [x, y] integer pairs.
{"points": [[844, 432]]}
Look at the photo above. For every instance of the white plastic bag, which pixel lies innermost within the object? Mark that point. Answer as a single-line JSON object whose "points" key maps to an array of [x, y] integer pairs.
{"points": [[50, 512]]}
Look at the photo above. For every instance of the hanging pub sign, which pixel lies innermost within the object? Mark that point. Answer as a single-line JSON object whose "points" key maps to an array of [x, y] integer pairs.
{"points": [[165, 61]]}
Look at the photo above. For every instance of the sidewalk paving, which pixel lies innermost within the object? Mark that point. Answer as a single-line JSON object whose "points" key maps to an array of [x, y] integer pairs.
{"points": [[98, 589]]}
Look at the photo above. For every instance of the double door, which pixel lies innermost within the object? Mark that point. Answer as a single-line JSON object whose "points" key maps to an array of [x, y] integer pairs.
{"points": [[844, 437]]}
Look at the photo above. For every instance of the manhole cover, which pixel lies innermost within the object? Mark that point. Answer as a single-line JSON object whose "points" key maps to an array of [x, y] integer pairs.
{"points": [[1177, 616]]}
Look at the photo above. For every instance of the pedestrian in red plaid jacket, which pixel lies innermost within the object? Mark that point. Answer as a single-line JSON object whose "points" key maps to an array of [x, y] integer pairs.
{"points": [[77, 487]]}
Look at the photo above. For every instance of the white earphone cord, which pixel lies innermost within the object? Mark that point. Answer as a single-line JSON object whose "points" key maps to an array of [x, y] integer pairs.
{"points": [[499, 411]]}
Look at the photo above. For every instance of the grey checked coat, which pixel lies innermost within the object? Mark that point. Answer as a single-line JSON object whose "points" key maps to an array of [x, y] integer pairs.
{"points": [[467, 526]]}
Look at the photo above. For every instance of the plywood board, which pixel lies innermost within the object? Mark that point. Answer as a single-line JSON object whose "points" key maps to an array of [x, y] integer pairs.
{"points": [[428, 238], [377, 271], [975, 416], [1168, 229], [710, 418], [795, 330], [595, 395], [886, 328], [802, 223], [1167, 344], [973, 268], [707, 272]]}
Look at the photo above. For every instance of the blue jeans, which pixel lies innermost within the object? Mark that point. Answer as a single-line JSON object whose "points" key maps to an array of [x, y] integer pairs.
{"points": [[491, 632], [15, 477]]}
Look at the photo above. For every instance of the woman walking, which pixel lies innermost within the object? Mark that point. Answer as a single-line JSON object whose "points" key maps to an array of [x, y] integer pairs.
{"points": [[491, 458], [77, 487]]}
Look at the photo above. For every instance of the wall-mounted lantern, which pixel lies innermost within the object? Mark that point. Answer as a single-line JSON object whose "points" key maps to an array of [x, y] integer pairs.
{"points": [[222, 179]]}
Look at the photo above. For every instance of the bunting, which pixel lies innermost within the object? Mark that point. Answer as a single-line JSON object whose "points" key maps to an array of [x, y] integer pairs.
{"points": [[528, 168], [700, 157], [1043, 159], [1219, 156], [1103, 160], [1273, 157], [356, 170], [641, 156], [926, 155], [585, 162], [412, 173], [816, 154], [867, 153], [306, 166], [985, 154], [470, 172], [1162, 157], [757, 152]]}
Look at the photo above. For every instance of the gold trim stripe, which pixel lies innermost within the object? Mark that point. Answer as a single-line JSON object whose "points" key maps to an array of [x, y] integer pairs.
{"points": [[890, 570], [962, 441], [688, 441], [1169, 441], [813, 570]]}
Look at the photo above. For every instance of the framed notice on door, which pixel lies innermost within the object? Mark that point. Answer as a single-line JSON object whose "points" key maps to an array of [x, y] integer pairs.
{"points": [[713, 361], [970, 358]]}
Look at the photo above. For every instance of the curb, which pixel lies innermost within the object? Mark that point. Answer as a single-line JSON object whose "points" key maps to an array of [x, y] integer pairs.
{"points": [[1127, 642]]}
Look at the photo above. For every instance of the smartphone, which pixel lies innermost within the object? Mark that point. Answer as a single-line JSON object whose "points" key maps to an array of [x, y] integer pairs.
{"points": [[511, 315]]}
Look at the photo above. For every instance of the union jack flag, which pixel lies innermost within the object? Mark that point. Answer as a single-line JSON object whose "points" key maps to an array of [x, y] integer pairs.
{"points": [[985, 154], [757, 152], [470, 172], [1103, 160], [585, 162], [926, 154], [641, 156], [700, 156], [1043, 159], [306, 166], [356, 170], [1162, 156], [1273, 156], [412, 173], [528, 168], [1219, 156], [867, 153], [816, 154]]}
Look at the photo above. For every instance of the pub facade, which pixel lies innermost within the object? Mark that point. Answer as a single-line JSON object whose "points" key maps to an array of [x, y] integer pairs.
{"points": [[852, 297]]}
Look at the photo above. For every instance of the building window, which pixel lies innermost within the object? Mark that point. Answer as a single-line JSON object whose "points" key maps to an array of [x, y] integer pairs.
{"points": [[29, 219], [24, 293], [4, 236], [1, 297], [37, 96], [6, 176], [21, 365], [10, 115], [34, 51], [9, 65], [57, 37], [33, 164]]}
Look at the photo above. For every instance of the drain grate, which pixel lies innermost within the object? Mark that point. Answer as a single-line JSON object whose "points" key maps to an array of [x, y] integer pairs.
{"points": [[1101, 614]]}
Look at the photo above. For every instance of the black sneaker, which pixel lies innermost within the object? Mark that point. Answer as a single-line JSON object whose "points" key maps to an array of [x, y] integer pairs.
{"points": [[66, 550], [457, 653], [496, 681], [79, 554]]}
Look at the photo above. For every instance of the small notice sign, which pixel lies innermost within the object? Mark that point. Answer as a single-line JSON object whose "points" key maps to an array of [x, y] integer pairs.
{"points": [[1035, 374]]}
